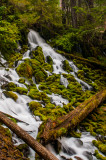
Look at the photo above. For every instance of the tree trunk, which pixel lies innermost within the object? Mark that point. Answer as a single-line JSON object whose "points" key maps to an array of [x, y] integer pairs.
{"points": [[73, 13], [36, 146], [63, 12], [90, 3], [55, 129]]}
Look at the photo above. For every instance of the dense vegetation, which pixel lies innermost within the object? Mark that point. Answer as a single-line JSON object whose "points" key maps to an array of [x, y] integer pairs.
{"points": [[73, 27], [80, 30]]}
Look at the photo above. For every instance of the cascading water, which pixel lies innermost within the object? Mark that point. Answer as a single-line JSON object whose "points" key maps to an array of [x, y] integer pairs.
{"points": [[35, 39], [81, 147]]}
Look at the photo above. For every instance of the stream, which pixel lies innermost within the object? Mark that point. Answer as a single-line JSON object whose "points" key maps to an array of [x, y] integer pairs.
{"points": [[70, 147]]}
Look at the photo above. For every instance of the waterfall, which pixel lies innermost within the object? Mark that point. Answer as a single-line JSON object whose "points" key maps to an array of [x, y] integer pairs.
{"points": [[81, 147], [34, 38]]}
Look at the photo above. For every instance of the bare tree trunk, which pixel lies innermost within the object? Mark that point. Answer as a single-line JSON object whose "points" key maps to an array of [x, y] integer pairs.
{"points": [[90, 3], [63, 12], [73, 13], [36, 146], [55, 129]]}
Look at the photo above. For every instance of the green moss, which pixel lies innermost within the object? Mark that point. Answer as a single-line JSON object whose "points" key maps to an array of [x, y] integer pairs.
{"points": [[10, 94], [21, 80], [49, 60], [9, 87], [95, 122], [100, 146], [14, 58], [40, 75], [24, 49], [38, 55], [99, 156], [24, 70], [66, 66], [48, 67], [21, 90], [33, 105], [34, 94], [75, 134], [61, 131], [80, 74]]}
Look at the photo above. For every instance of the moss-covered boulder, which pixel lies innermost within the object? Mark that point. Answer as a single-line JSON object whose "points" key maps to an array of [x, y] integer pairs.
{"points": [[9, 87], [66, 66], [38, 55], [42, 96], [101, 146], [33, 105], [21, 90], [38, 71], [99, 156], [49, 60], [40, 75], [21, 80], [48, 67], [24, 70], [10, 94]]}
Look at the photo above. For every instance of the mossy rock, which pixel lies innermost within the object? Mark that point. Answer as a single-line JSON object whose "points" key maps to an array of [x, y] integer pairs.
{"points": [[48, 67], [99, 156], [80, 74], [21, 90], [24, 70], [69, 77], [100, 146], [9, 87], [49, 60], [42, 96], [40, 75], [66, 66], [14, 58], [10, 94], [24, 49], [35, 94], [33, 105], [21, 80], [38, 55]]}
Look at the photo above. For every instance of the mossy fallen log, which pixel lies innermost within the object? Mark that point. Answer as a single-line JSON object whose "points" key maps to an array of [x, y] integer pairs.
{"points": [[58, 128], [83, 60], [36, 146]]}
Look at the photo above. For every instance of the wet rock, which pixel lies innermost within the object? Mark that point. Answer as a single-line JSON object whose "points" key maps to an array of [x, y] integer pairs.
{"points": [[57, 146], [78, 143], [78, 158], [64, 158], [68, 150], [88, 155], [8, 77]]}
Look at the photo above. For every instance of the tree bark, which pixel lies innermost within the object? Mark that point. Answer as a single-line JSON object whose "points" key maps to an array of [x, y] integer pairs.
{"points": [[55, 129], [36, 146], [73, 13], [63, 12]]}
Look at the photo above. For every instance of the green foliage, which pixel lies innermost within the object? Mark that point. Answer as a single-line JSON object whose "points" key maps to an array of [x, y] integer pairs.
{"points": [[9, 36]]}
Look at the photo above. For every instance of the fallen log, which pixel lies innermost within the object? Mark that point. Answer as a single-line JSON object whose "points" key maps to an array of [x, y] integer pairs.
{"points": [[13, 117], [55, 129], [35, 145], [84, 60]]}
